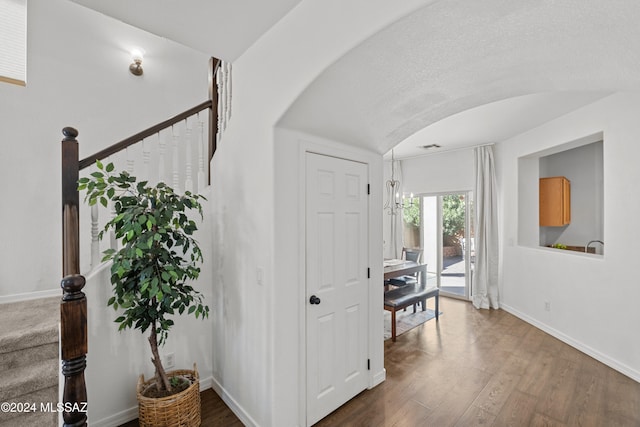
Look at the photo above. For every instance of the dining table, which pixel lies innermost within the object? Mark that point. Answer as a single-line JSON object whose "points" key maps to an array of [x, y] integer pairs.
{"points": [[399, 267]]}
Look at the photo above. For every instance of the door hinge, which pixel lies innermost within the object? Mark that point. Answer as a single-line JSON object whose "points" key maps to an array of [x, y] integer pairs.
{"points": [[368, 273], [368, 364], [368, 188]]}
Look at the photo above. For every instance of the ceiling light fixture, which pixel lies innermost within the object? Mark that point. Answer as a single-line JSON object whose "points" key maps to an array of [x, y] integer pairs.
{"points": [[430, 146], [394, 202]]}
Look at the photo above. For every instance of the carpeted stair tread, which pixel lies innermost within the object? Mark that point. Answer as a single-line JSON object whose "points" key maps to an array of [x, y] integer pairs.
{"points": [[29, 323], [35, 419], [29, 378], [27, 356], [44, 396]]}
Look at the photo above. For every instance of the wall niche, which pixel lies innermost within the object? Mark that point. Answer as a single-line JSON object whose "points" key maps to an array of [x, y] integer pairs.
{"points": [[580, 162]]}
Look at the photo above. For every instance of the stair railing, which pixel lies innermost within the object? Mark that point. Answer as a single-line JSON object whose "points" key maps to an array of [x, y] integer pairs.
{"points": [[73, 307]]}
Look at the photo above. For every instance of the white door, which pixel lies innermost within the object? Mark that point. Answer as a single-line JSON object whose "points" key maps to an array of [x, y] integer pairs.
{"points": [[336, 282]]}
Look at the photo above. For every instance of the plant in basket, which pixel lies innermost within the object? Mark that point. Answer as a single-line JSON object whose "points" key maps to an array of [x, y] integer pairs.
{"points": [[152, 269]]}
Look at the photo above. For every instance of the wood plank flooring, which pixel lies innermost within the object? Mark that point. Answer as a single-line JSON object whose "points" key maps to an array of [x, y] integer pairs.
{"points": [[479, 368]]}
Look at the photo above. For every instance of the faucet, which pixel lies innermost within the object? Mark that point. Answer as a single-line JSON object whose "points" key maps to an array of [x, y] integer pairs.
{"points": [[586, 248]]}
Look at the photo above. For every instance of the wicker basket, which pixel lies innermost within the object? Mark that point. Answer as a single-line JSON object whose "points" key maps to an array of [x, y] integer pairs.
{"points": [[178, 410]]}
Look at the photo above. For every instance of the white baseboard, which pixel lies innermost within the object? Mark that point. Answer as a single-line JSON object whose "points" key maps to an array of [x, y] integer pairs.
{"points": [[242, 415], [379, 377], [116, 419], [30, 296], [610, 362]]}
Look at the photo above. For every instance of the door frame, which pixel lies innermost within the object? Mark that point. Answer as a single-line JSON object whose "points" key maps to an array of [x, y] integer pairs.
{"points": [[375, 341], [468, 218], [344, 390]]}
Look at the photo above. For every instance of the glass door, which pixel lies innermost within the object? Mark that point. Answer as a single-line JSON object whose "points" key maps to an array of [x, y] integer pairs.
{"points": [[446, 236], [455, 245]]}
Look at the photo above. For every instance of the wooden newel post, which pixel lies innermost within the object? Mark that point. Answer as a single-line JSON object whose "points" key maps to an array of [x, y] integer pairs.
{"points": [[73, 308]]}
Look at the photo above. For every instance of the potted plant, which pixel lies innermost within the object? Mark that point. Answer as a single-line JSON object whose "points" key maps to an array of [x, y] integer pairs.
{"points": [[150, 275]]}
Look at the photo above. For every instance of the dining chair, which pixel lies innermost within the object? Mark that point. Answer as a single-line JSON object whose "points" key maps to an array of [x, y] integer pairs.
{"points": [[408, 254]]}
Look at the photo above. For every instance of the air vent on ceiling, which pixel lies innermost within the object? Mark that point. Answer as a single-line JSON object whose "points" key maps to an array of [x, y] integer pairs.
{"points": [[430, 146]]}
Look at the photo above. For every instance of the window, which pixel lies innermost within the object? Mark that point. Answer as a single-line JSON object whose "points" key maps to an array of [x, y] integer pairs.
{"points": [[13, 41]]}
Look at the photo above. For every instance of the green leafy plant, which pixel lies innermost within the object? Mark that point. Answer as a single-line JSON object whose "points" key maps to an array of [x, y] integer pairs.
{"points": [[559, 246], [411, 213], [157, 258], [453, 217]]}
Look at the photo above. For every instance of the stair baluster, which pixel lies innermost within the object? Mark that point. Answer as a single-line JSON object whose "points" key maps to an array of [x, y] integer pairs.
{"points": [[95, 243], [131, 163], [200, 141], [146, 158], [175, 164], [162, 158], [188, 183]]}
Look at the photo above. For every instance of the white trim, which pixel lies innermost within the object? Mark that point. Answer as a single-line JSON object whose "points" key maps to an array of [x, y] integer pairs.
{"points": [[378, 378], [57, 292], [238, 410], [116, 419], [612, 363], [31, 296]]}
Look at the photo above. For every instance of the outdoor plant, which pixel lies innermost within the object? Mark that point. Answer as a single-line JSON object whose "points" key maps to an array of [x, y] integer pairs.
{"points": [[453, 218], [157, 258]]}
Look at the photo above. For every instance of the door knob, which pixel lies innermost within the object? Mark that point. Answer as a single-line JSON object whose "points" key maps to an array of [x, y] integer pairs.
{"points": [[314, 300]]}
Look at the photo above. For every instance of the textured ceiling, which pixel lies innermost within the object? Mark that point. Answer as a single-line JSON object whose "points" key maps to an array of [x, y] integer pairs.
{"points": [[493, 122], [220, 28], [454, 55]]}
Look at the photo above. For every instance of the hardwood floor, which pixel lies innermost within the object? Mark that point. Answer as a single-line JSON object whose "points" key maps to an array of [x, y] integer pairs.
{"points": [[479, 368], [214, 412], [489, 368]]}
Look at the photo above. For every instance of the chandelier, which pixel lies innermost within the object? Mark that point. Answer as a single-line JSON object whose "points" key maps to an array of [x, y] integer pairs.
{"points": [[394, 202]]}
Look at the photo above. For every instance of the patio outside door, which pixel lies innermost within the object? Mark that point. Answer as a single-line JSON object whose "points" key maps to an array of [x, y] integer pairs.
{"points": [[336, 282], [447, 239]]}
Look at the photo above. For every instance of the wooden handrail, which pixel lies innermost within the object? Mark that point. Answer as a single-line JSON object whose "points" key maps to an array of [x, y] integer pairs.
{"points": [[119, 146]]}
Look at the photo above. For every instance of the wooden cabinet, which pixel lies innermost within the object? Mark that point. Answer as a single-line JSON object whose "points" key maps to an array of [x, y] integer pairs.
{"points": [[555, 201]]}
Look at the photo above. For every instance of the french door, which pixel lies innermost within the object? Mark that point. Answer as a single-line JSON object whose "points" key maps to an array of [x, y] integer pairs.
{"points": [[446, 235]]}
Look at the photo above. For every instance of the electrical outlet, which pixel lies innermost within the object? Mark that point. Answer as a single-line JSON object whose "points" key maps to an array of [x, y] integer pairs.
{"points": [[547, 306], [169, 360]]}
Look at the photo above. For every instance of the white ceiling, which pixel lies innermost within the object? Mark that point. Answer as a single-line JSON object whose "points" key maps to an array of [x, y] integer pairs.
{"points": [[494, 122], [220, 28], [456, 72], [470, 72]]}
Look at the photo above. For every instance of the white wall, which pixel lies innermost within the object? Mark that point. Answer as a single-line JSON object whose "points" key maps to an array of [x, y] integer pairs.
{"points": [[593, 299], [248, 369], [116, 359], [437, 173], [77, 75]]}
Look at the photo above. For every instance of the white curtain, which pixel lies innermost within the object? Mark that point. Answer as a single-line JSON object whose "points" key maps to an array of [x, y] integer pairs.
{"points": [[485, 275]]}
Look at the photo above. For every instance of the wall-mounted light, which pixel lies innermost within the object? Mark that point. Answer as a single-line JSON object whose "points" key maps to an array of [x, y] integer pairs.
{"points": [[136, 65]]}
